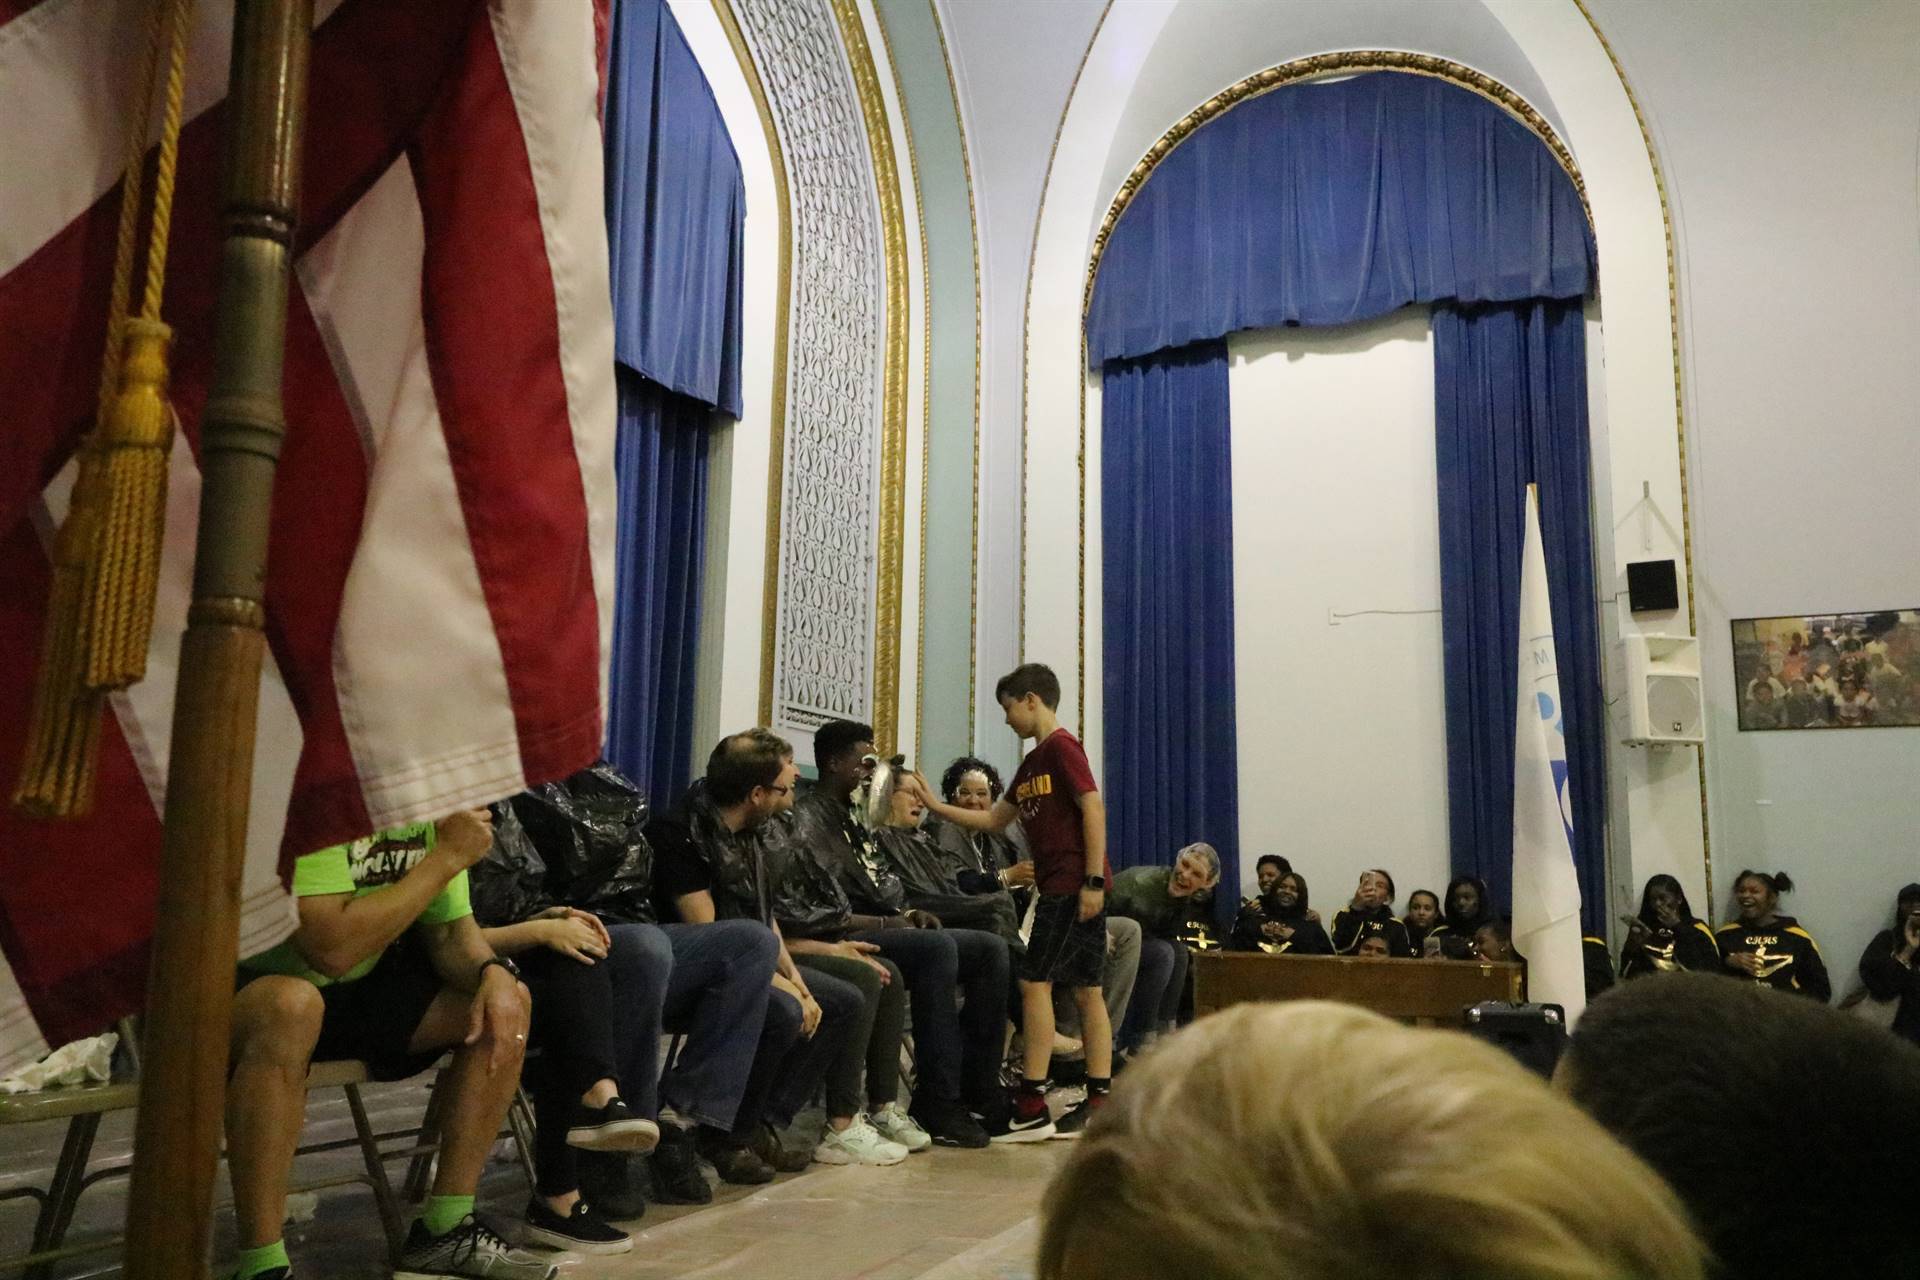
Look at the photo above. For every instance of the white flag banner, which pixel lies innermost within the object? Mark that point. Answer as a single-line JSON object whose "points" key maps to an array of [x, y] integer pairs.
{"points": [[1546, 892]]}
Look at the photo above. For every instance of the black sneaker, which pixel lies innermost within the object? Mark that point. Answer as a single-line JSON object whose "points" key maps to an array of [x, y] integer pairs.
{"points": [[736, 1164], [779, 1157], [582, 1231], [949, 1125], [613, 1127], [674, 1170], [1007, 1126], [607, 1180], [1074, 1122], [472, 1249]]}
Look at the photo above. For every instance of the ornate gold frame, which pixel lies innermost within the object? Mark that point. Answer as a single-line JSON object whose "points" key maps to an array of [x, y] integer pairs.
{"points": [[893, 419], [886, 672]]}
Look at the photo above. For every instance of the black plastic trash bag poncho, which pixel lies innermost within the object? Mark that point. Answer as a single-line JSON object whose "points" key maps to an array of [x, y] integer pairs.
{"points": [[589, 831], [509, 884]]}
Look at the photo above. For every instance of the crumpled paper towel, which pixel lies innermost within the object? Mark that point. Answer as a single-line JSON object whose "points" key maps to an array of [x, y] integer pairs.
{"points": [[82, 1062]]}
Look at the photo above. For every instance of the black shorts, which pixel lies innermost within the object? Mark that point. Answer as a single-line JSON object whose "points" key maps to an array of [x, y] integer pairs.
{"points": [[1064, 949], [372, 1018]]}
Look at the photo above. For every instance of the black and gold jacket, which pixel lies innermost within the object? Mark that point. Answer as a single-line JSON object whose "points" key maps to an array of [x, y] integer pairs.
{"points": [[1789, 958], [1691, 946]]}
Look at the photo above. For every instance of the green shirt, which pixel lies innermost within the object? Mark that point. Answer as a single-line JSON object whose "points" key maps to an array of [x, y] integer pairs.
{"points": [[360, 867], [1144, 894]]}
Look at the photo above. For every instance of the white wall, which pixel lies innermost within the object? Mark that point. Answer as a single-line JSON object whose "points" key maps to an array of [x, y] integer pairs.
{"points": [[1341, 719], [1789, 136]]}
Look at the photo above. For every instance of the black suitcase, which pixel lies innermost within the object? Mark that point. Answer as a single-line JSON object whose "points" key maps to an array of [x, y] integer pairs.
{"points": [[1535, 1034]]}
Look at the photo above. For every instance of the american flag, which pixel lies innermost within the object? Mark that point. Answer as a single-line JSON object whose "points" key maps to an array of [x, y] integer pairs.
{"points": [[438, 589]]}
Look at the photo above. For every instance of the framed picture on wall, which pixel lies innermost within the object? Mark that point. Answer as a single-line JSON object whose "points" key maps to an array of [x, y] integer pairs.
{"points": [[1828, 671]]}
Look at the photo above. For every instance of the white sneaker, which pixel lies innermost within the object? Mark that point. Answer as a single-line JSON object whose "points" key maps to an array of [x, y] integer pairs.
{"points": [[858, 1143], [894, 1124]]}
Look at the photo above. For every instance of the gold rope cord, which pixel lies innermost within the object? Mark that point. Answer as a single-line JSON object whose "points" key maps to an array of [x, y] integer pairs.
{"points": [[106, 558]]}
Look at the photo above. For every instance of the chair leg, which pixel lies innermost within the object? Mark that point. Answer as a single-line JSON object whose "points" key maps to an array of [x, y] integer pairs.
{"points": [[420, 1168], [520, 1120], [377, 1181], [63, 1194]]}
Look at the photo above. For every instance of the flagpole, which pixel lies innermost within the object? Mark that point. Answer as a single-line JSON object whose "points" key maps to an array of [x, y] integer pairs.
{"points": [[210, 773]]}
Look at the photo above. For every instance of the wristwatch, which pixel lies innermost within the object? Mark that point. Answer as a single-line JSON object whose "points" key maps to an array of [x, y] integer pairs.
{"points": [[1095, 882], [490, 962]]}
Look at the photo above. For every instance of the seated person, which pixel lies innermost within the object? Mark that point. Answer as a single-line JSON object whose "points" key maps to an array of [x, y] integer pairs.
{"points": [[959, 1050], [1373, 942], [1889, 967], [707, 984], [972, 783], [1782, 1124], [1467, 907], [1372, 900], [930, 879], [1161, 899], [1423, 913], [1767, 947], [1666, 936], [711, 865], [980, 859], [1354, 1145], [1281, 923], [387, 967], [1494, 941]]}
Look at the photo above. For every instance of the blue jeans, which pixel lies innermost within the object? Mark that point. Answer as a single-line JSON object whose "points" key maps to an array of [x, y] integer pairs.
{"points": [[1156, 992], [956, 1055], [787, 1067], [717, 999]]}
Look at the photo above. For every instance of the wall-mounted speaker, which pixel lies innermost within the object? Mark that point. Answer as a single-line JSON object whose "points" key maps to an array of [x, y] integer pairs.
{"points": [[1663, 690], [1653, 586]]}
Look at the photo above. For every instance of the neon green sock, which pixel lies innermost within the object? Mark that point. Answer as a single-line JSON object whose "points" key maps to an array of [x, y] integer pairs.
{"points": [[443, 1213], [254, 1261]]}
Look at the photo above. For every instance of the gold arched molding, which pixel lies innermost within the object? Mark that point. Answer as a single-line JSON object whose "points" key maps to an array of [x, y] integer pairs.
{"points": [[1343, 63]]}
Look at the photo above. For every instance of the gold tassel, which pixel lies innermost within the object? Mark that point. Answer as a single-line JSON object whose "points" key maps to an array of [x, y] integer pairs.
{"points": [[57, 770], [124, 572]]}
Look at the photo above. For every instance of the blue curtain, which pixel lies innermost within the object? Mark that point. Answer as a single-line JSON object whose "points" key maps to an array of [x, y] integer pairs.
{"points": [[676, 209], [1322, 204], [661, 465], [1510, 408], [1172, 760]]}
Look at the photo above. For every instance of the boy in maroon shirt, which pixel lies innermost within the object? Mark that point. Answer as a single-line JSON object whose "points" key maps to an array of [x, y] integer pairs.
{"points": [[1060, 809]]}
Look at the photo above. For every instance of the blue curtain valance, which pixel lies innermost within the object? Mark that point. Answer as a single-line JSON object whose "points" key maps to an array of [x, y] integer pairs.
{"points": [[1324, 204], [676, 211]]}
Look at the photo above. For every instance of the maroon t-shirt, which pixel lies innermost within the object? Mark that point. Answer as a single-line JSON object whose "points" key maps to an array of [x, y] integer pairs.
{"points": [[1047, 790]]}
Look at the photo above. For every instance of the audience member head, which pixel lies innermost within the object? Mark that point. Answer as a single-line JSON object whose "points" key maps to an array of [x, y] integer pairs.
{"points": [[1756, 895], [971, 783], [1195, 868], [750, 776], [1466, 907], [1906, 906], [1663, 903], [904, 808], [1355, 1144], [1785, 1125], [1374, 890], [1028, 694], [1423, 909], [1374, 946], [1268, 869], [1290, 894], [840, 751], [1494, 941]]}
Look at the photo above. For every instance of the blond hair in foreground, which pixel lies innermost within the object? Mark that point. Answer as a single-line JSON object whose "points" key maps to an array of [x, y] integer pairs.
{"points": [[1297, 1140]]}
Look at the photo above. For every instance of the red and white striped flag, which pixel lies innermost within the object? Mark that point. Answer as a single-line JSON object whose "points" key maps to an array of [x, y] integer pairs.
{"points": [[439, 583]]}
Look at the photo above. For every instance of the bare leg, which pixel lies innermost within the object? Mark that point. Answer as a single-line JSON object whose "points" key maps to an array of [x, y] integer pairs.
{"points": [[1095, 1031], [276, 1021], [1036, 1029], [477, 1099]]}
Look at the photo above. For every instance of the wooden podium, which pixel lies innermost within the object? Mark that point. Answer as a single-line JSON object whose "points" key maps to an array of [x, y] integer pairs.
{"points": [[1425, 992]]}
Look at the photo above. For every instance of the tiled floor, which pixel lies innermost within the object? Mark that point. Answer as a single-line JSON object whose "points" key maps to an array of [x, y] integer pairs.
{"points": [[943, 1215]]}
